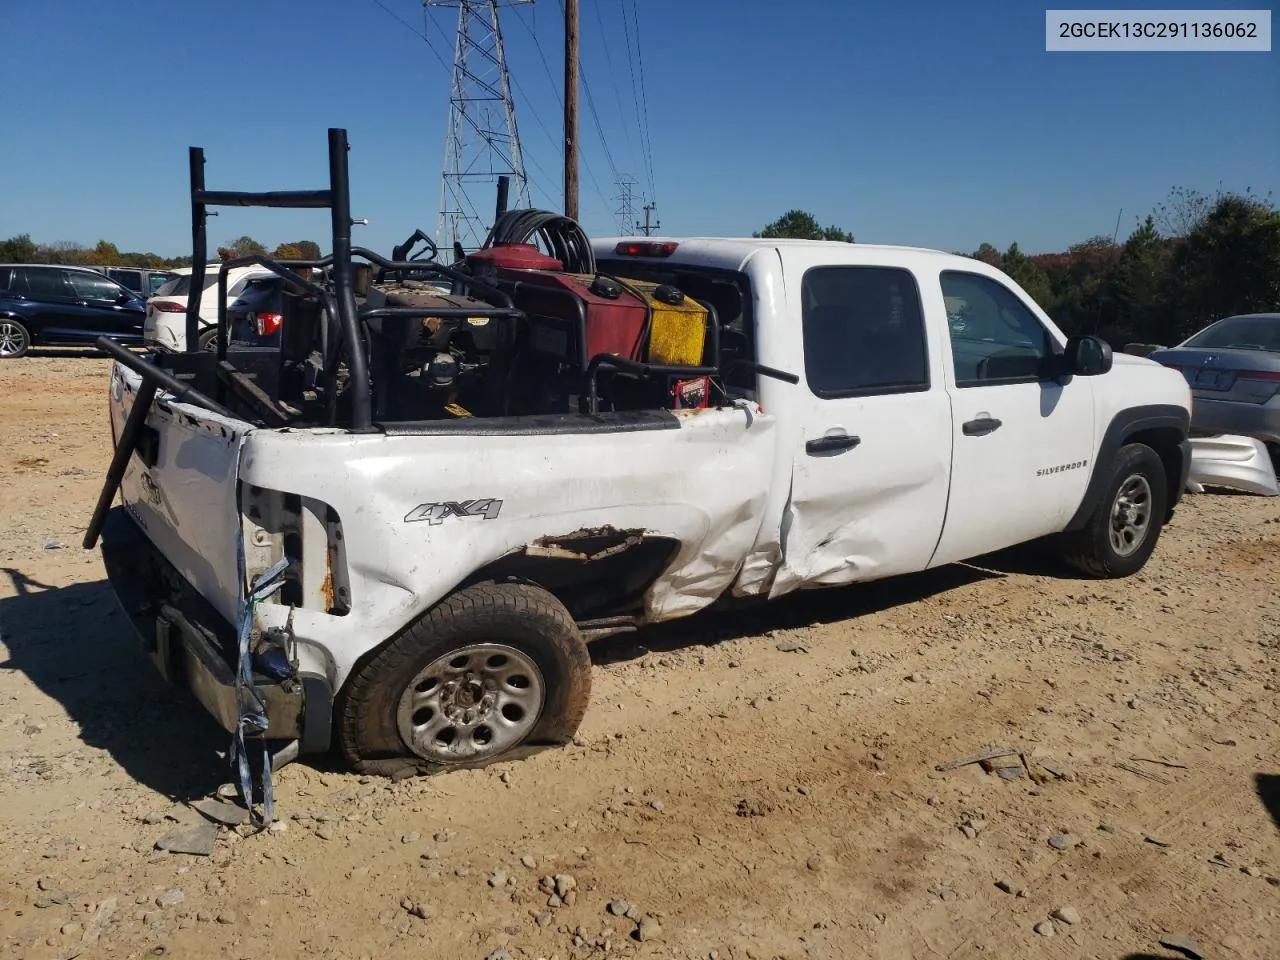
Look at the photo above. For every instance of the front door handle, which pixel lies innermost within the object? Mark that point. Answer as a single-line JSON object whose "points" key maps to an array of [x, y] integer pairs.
{"points": [[832, 443], [980, 426]]}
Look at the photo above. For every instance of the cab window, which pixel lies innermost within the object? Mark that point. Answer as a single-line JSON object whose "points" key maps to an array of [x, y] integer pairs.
{"points": [[863, 330], [995, 338]]}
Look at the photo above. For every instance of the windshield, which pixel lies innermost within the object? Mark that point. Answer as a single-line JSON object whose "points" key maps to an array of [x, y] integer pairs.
{"points": [[1240, 333]]}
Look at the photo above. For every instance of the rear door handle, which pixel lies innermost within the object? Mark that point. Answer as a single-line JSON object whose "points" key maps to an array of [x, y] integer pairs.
{"points": [[980, 426], [832, 443]]}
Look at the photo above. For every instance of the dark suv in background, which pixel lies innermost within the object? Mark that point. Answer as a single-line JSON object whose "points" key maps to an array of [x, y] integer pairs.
{"points": [[257, 314], [63, 306]]}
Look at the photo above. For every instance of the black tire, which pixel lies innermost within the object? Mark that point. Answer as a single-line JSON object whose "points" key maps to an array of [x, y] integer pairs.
{"points": [[523, 617], [207, 340], [15, 339], [1092, 549]]}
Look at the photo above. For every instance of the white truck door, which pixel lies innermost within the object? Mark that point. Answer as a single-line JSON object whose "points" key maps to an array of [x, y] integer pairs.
{"points": [[871, 442], [1023, 441]]}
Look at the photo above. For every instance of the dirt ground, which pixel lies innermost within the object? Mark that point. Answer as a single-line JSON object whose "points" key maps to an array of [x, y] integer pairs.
{"points": [[757, 785]]}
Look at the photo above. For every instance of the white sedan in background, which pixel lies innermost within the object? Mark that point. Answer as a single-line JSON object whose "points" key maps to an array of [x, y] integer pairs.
{"points": [[165, 325]]}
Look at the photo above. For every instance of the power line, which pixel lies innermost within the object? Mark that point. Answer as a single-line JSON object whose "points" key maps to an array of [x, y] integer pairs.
{"points": [[420, 34], [613, 80], [635, 97], [644, 99]]}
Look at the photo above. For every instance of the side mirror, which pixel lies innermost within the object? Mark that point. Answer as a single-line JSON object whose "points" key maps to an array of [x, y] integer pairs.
{"points": [[1087, 356], [124, 297]]}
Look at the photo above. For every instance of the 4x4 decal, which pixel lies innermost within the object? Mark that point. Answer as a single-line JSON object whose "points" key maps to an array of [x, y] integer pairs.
{"points": [[435, 513]]}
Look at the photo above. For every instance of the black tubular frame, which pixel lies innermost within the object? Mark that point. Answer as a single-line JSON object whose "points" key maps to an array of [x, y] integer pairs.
{"points": [[152, 379], [343, 301]]}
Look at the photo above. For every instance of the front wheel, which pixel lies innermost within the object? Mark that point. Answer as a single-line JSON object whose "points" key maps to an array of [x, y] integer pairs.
{"points": [[14, 339], [1123, 529], [492, 672]]}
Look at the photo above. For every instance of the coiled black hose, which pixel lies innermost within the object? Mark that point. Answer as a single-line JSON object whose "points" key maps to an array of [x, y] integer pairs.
{"points": [[562, 237]]}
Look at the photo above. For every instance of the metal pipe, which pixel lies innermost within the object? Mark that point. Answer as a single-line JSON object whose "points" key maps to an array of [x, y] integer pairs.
{"points": [[448, 313], [297, 199], [344, 284], [640, 369], [120, 461], [182, 392], [423, 266], [504, 188], [199, 249]]}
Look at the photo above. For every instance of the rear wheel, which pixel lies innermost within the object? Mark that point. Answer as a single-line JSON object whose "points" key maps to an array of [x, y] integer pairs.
{"points": [[208, 341], [14, 339], [1123, 529], [495, 671]]}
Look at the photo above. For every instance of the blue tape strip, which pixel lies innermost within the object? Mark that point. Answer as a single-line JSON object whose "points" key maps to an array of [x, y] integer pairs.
{"points": [[251, 720]]}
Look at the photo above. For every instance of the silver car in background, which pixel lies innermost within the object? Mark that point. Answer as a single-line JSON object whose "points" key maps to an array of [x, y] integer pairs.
{"points": [[1233, 368]]}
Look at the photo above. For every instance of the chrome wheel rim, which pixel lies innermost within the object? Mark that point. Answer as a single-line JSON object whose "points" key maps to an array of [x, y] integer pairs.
{"points": [[470, 704], [13, 340], [1131, 515]]}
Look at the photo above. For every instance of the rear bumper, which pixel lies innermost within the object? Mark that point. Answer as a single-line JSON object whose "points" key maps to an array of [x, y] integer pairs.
{"points": [[1258, 420], [1237, 462], [192, 645]]}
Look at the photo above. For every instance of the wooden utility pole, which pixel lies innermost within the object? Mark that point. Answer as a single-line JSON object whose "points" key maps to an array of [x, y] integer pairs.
{"points": [[571, 109]]}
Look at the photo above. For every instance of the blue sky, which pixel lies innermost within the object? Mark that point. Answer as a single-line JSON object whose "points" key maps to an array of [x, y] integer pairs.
{"points": [[943, 124]]}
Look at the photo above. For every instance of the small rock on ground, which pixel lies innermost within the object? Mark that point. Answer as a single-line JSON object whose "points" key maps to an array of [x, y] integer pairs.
{"points": [[1044, 928], [649, 929], [1067, 915], [1183, 944], [170, 898]]}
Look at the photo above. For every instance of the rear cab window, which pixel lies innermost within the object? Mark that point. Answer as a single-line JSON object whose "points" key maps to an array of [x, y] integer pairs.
{"points": [[863, 332]]}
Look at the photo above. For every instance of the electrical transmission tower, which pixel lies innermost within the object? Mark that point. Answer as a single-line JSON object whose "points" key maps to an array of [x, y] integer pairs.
{"points": [[482, 141], [625, 215]]}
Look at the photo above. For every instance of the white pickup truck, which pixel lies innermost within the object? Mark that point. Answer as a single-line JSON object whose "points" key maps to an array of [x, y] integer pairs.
{"points": [[441, 576]]}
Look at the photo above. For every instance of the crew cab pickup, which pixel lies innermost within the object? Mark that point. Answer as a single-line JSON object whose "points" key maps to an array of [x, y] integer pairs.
{"points": [[895, 409]]}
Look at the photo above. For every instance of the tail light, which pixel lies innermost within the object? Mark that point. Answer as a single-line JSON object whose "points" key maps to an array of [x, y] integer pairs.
{"points": [[1259, 375], [167, 306], [266, 323], [645, 248]]}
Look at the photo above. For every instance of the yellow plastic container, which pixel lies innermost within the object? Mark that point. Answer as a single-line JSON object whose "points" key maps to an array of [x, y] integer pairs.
{"points": [[679, 330]]}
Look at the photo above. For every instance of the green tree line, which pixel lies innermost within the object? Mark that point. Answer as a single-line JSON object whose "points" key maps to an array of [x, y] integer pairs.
{"points": [[1194, 259], [22, 249]]}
